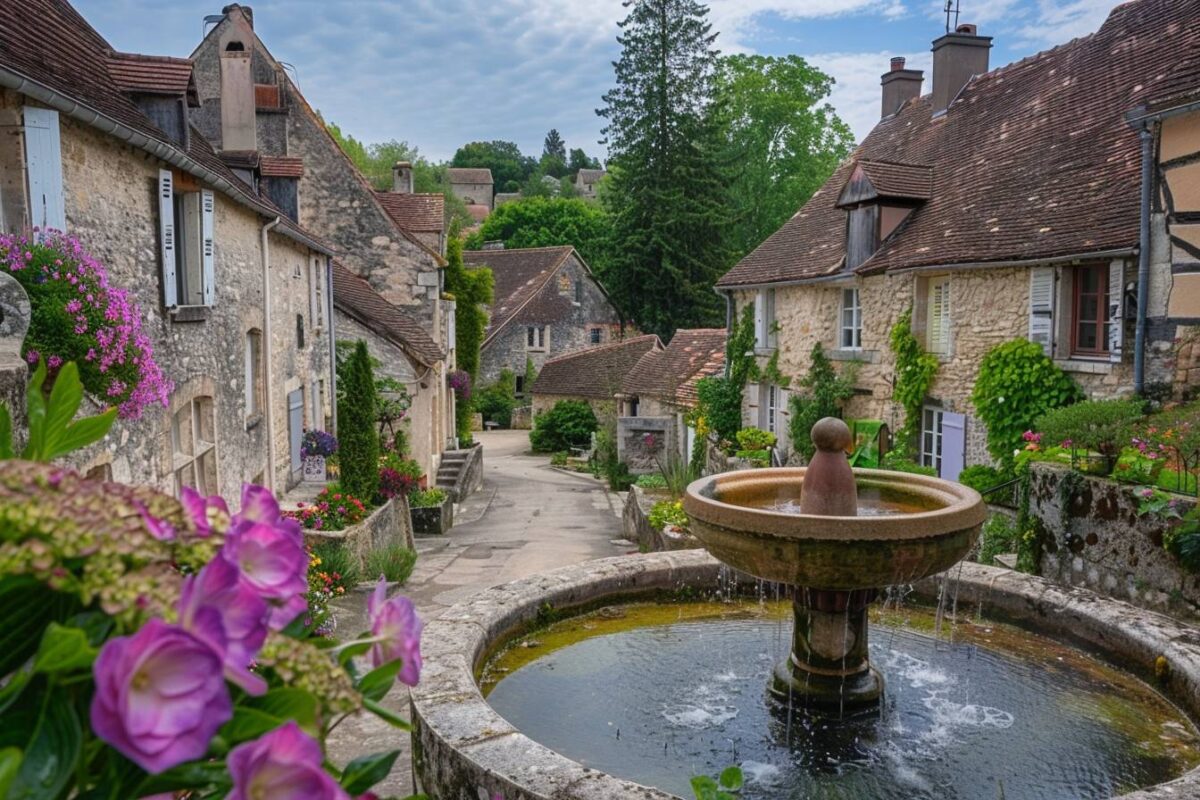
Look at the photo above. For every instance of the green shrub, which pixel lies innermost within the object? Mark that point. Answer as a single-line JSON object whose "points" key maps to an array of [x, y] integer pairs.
{"points": [[1017, 383], [358, 439], [394, 562], [755, 439], [759, 458], [667, 512], [652, 482], [720, 398], [999, 536], [497, 401], [427, 498], [898, 461], [914, 373], [982, 477], [1100, 426], [559, 459], [822, 394], [607, 464], [570, 423], [337, 560]]}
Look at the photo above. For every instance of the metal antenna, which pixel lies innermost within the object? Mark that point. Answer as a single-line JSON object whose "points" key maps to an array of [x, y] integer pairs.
{"points": [[951, 11]]}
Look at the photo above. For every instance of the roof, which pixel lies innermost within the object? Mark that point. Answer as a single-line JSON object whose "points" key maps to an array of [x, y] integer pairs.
{"points": [[281, 166], [478, 212], [49, 51], [899, 180], [518, 276], [596, 372], [469, 175], [590, 175], [671, 374], [419, 213], [354, 297], [1032, 161], [137, 73], [240, 159], [1180, 87]]}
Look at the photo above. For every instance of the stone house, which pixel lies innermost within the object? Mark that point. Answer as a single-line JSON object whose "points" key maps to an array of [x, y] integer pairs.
{"points": [[1004, 204], [594, 375], [586, 181], [473, 186], [234, 293], [659, 392], [250, 108], [547, 303]]}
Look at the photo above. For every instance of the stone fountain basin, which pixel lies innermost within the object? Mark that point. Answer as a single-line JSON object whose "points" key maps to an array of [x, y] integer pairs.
{"points": [[928, 526]]}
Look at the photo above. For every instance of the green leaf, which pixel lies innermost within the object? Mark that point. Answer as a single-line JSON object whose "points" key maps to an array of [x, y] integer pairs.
{"points": [[82, 433], [65, 397], [353, 651], [387, 715], [11, 692], [10, 764], [63, 649], [35, 414], [376, 683], [364, 772], [732, 778], [6, 433], [193, 775], [26, 608], [257, 715], [51, 737], [704, 787]]}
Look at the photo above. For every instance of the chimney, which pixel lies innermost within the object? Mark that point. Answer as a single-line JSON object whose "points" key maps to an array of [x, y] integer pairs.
{"points": [[247, 12], [899, 86], [402, 177], [957, 57], [239, 120]]}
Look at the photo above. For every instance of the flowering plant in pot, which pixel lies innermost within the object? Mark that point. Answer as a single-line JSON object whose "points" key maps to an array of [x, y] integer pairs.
{"points": [[315, 447]]}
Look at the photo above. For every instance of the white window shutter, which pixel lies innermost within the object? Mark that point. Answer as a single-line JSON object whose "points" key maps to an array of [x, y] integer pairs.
{"points": [[166, 235], [312, 291], [43, 165], [939, 316], [207, 203], [751, 419], [760, 316], [1041, 308], [1116, 309]]}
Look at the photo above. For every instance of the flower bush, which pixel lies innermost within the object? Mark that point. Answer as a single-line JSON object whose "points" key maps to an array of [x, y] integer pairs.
{"points": [[78, 316], [333, 510], [667, 512], [323, 586], [427, 498], [318, 443], [398, 476], [157, 647]]}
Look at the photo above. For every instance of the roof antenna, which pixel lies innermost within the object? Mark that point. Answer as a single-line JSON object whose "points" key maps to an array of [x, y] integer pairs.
{"points": [[951, 10]]}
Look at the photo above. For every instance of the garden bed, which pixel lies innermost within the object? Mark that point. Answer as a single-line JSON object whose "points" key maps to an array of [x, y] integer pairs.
{"points": [[387, 525], [433, 520], [636, 520]]}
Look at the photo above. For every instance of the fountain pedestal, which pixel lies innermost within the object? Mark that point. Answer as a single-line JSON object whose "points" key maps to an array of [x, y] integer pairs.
{"points": [[829, 665]]}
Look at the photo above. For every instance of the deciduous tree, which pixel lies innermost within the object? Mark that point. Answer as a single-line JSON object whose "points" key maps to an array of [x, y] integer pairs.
{"points": [[548, 222], [504, 159]]}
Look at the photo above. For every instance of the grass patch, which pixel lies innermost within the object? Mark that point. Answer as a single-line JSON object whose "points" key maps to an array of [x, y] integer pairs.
{"points": [[336, 561], [395, 563]]}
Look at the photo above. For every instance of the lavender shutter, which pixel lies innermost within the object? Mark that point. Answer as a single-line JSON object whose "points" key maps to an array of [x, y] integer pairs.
{"points": [[954, 445]]}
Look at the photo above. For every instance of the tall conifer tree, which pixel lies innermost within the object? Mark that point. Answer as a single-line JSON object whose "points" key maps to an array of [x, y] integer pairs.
{"points": [[666, 192]]}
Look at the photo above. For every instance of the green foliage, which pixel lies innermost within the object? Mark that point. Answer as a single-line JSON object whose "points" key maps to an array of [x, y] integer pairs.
{"points": [[725, 787], [720, 398], [1031, 534], [898, 461], [780, 130], [559, 459], [755, 439], [677, 474], [473, 290], [999, 536], [914, 373], [982, 477], [549, 222], [607, 464], [427, 498], [53, 430], [665, 193], [337, 559], [667, 512], [654, 481], [497, 401], [1017, 383], [358, 441], [531, 375], [570, 423], [1102, 426], [504, 159], [577, 160], [758, 458], [554, 146], [823, 393]]}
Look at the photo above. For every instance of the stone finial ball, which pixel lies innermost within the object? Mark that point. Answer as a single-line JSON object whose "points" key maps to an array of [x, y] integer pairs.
{"points": [[831, 434]]}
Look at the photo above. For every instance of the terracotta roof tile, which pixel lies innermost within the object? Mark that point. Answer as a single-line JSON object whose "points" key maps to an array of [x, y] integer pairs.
{"points": [[910, 181], [596, 372], [469, 175], [281, 166], [518, 275], [1032, 161], [671, 374], [355, 297], [419, 213], [138, 73]]}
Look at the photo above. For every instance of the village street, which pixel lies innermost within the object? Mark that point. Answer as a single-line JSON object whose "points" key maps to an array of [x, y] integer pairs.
{"points": [[527, 519]]}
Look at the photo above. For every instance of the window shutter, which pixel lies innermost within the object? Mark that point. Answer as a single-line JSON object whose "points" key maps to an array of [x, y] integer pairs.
{"points": [[760, 315], [1041, 308], [166, 235], [206, 246], [769, 320], [1116, 309], [43, 164], [939, 316], [954, 445], [751, 419]]}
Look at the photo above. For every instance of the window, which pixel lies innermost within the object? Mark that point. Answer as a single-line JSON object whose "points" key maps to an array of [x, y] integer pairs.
{"points": [[596, 335], [631, 406], [535, 337], [931, 438], [851, 323], [578, 292], [1089, 322], [300, 331], [937, 322], [186, 243], [766, 333], [520, 388], [771, 409], [194, 446], [254, 380]]}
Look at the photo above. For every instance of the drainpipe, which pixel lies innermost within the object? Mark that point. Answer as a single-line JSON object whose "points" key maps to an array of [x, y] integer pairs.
{"points": [[268, 382], [1143, 280], [728, 323], [328, 278]]}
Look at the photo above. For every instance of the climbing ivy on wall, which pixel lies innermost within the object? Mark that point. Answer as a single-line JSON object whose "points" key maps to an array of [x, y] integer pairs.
{"points": [[914, 373], [721, 398], [823, 393]]}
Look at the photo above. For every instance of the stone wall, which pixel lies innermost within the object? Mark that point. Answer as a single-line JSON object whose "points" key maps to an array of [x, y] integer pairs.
{"points": [[605, 410], [388, 525], [1097, 540], [645, 442], [635, 521], [14, 372]]}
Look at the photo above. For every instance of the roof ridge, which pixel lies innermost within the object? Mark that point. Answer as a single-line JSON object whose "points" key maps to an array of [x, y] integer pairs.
{"points": [[521, 249], [602, 347]]}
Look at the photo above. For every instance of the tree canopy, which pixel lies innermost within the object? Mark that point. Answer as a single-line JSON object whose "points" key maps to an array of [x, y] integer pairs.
{"points": [[578, 160], [555, 146], [504, 159], [548, 222]]}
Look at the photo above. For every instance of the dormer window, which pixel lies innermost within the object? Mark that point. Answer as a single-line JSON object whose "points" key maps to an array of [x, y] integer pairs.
{"points": [[878, 198], [161, 87]]}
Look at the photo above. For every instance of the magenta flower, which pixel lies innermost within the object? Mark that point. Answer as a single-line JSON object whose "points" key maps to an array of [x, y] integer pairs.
{"points": [[160, 696], [396, 621], [202, 510], [283, 764], [218, 608], [258, 505], [272, 561]]}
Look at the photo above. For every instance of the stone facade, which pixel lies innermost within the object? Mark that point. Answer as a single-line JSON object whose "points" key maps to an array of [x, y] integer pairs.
{"points": [[605, 410], [112, 208]]}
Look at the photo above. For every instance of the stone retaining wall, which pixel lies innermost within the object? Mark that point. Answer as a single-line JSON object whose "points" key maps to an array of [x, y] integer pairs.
{"points": [[635, 517], [1098, 541], [389, 524]]}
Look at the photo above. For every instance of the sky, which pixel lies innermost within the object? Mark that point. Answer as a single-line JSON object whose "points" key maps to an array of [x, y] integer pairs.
{"points": [[439, 73]]}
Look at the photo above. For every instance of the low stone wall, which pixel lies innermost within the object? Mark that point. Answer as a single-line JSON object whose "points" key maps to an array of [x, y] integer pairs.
{"points": [[635, 518], [643, 442], [522, 418], [389, 524], [433, 520], [470, 478], [463, 749], [1097, 540]]}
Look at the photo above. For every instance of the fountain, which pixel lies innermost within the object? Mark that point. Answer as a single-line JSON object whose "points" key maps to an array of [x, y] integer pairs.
{"points": [[836, 556]]}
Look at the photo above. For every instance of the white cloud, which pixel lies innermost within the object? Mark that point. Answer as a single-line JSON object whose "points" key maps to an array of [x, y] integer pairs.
{"points": [[857, 93]]}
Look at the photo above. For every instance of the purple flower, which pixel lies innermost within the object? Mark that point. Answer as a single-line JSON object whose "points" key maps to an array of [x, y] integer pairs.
{"points": [[397, 622], [231, 617], [283, 764], [272, 561], [258, 505], [202, 510], [160, 696], [33, 356]]}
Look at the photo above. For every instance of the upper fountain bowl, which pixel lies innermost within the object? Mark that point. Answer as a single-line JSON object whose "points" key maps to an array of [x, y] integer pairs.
{"points": [[909, 527]]}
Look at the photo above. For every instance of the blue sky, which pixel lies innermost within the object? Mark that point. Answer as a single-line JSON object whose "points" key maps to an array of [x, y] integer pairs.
{"points": [[438, 73]]}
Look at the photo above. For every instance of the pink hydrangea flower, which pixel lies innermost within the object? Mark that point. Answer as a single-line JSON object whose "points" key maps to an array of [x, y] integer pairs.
{"points": [[283, 764], [218, 608], [202, 509], [397, 622], [160, 696], [272, 561]]}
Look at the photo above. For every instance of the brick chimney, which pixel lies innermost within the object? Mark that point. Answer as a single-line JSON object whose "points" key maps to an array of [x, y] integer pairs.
{"points": [[239, 122], [957, 57], [899, 86], [402, 177]]}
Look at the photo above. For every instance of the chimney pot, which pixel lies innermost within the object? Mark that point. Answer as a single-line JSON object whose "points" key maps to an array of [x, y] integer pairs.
{"points": [[247, 12], [957, 57], [967, 28], [899, 86], [898, 63]]}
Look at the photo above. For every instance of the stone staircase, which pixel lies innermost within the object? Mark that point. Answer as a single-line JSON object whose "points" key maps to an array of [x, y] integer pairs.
{"points": [[453, 463]]}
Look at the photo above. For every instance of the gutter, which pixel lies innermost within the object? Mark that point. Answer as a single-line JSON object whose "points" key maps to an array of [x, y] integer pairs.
{"points": [[161, 150], [1146, 135], [268, 398]]}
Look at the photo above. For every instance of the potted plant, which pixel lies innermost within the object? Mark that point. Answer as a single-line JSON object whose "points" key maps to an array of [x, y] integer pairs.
{"points": [[431, 510], [315, 447]]}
